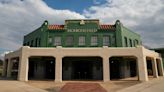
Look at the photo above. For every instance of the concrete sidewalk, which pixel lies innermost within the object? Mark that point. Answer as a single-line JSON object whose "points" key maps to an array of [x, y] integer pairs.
{"points": [[17, 86], [155, 85]]}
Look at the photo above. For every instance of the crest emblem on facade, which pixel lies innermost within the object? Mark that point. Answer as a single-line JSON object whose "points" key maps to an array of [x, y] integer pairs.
{"points": [[82, 22]]}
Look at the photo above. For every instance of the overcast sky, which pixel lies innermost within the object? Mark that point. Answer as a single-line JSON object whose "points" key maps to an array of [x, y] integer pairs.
{"points": [[19, 17]]}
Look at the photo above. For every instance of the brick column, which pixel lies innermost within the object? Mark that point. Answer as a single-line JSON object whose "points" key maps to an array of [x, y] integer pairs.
{"points": [[5, 64], [23, 64], [160, 66], [142, 68], [9, 68], [154, 67], [58, 69], [106, 73], [23, 69]]}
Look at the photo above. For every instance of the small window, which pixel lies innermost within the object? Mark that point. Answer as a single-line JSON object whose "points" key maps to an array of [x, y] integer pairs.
{"points": [[106, 40], [39, 41], [69, 40], [36, 42], [137, 42], [28, 43], [57, 41], [81, 40], [130, 41], [31, 43], [126, 42], [134, 43], [94, 40], [50, 40], [113, 40]]}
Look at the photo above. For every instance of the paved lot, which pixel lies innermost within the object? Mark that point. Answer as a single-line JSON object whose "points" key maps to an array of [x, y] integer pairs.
{"points": [[154, 85], [114, 86], [49, 86], [111, 86], [15, 86]]}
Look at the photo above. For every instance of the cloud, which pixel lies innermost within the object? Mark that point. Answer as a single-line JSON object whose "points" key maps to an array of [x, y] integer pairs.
{"points": [[142, 16], [19, 17], [96, 2], [3, 54]]}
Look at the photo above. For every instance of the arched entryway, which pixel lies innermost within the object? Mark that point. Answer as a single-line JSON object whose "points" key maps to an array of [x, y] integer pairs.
{"points": [[159, 67], [5, 66], [41, 68], [149, 63], [122, 67], [82, 68], [14, 67]]}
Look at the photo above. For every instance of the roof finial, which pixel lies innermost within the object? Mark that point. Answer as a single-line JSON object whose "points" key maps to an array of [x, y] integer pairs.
{"points": [[45, 22], [82, 22]]}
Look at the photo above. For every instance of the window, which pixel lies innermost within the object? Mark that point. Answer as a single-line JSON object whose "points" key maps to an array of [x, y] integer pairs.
{"points": [[106, 41], [36, 42], [50, 40], [81, 40], [94, 40], [28, 43], [130, 42], [126, 42], [134, 43], [57, 41], [39, 41], [137, 42], [69, 40], [113, 41], [31, 43]]}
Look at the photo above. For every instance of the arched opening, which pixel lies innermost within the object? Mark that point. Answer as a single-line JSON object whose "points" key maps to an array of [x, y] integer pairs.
{"points": [[149, 62], [14, 67], [41, 68], [82, 68], [123, 67], [159, 67], [5, 67]]}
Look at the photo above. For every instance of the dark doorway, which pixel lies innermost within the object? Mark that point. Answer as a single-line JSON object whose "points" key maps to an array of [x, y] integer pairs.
{"points": [[159, 67], [114, 68], [82, 68], [41, 68], [149, 67], [6, 66], [15, 66], [122, 67], [133, 68], [50, 69]]}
